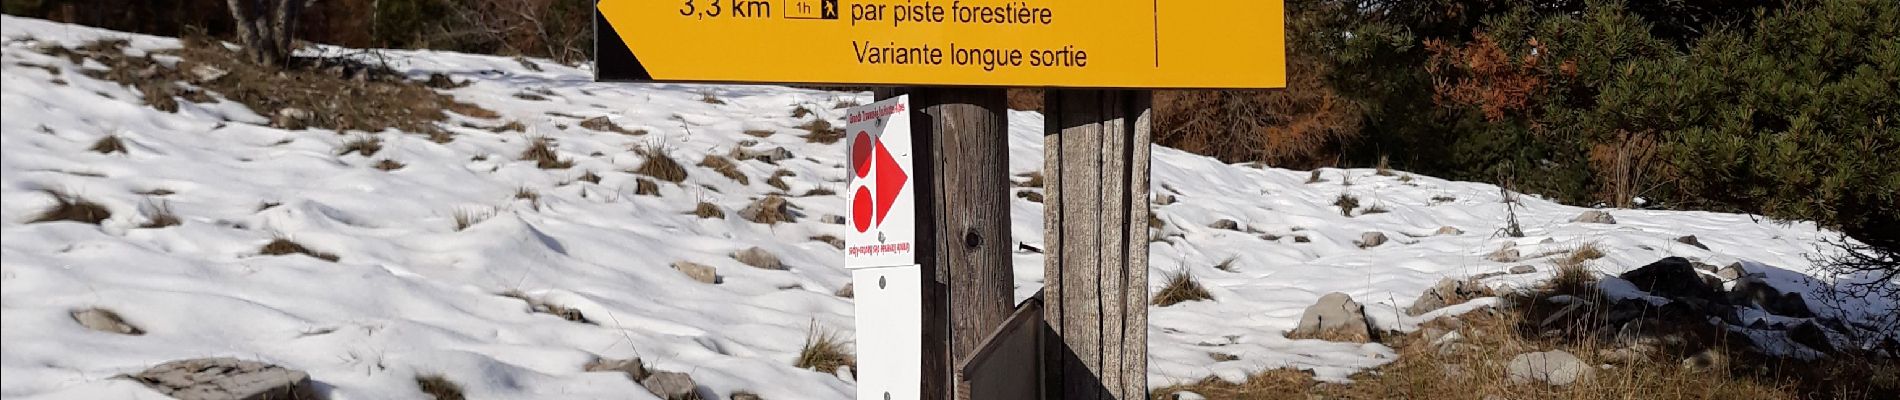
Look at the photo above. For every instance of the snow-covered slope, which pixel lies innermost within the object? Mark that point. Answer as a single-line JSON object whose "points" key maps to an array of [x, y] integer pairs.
{"points": [[411, 294]]}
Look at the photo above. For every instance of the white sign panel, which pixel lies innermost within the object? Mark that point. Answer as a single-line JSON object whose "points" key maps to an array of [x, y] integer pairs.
{"points": [[881, 228], [890, 332]]}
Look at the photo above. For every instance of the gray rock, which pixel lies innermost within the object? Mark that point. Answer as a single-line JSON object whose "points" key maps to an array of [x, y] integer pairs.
{"points": [[1335, 317], [1523, 269], [1452, 349], [769, 210], [1753, 289], [769, 156], [1692, 241], [1371, 239], [699, 272], [1595, 217], [632, 367], [746, 396], [1504, 255], [1705, 267], [1164, 199], [1732, 272], [206, 73], [1227, 224], [225, 378], [832, 219], [848, 291], [1673, 278], [671, 386], [759, 258], [1447, 292], [1555, 368], [1810, 334], [1446, 230], [1709, 359], [104, 320]]}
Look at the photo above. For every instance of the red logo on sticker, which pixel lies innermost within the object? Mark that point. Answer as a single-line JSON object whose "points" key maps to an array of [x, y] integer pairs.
{"points": [[872, 201]]}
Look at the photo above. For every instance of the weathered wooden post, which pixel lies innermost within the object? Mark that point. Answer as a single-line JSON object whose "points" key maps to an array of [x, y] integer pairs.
{"points": [[1095, 237]]}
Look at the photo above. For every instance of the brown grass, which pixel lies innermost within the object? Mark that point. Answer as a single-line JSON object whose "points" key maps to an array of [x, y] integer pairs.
{"points": [[541, 151], [708, 210], [109, 144], [73, 208], [1346, 203], [819, 191], [1181, 287], [778, 180], [282, 246], [589, 177], [389, 165], [1374, 209], [709, 97], [725, 166], [364, 145], [439, 387], [1031, 179], [800, 112], [468, 217], [605, 124], [646, 187], [1314, 177], [824, 351], [822, 132], [159, 215], [660, 166], [1385, 167], [1573, 276], [760, 133], [773, 209]]}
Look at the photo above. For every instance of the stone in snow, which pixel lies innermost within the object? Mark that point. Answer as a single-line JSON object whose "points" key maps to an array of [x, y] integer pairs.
{"points": [[1448, 291], [1334, 317], [633, 368], [671, 385], [1504, 255], [105, 321], [759, 258], [1595, 217], [1371, 239], [1227, 224], [1555, 368], [1446, 230], [1692, 241], [225, 378], [848, 291], [699, 272], [1523, 269]]}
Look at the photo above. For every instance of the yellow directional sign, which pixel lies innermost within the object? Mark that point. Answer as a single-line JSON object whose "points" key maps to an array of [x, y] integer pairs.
{"points": [[1053, 43]]}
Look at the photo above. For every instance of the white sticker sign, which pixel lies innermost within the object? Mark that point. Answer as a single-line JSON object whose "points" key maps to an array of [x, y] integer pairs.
{"points": [[881, 227], [890, 332]]}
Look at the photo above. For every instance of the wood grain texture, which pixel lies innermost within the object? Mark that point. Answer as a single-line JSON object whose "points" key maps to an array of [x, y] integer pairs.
{"points": [[1095, 237]]}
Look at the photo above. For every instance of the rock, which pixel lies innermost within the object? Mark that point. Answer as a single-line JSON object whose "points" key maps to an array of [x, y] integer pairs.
{"points": [[1692, 241], [291, 118], [1030, 195], [769, 210], [207, 73], [1733, 271], [832, 219], [759, 258], [1335, 317], [1431, 333], [671, 386], [1754, 289], [1523, 269], [104, 320], [1371, 239], [1504, 255], [632, 367], [1448, 338], [1227, 224], [1705, 267], [1810, 334], [1555, 368], [1673, 278], [1447, 292], [848, 291], [1186, 395], [1446, 230], [746, 396], [438, 80], [1452, 349], [1595, 217], [225, 378], [1164, 199], [699, 272], [1709, 359], [834, 241], [769, 156], [1486, 275]]}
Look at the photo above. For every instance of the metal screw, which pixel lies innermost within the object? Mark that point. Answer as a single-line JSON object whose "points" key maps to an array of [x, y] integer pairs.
{"points": [[887, 395], [880, 282]]}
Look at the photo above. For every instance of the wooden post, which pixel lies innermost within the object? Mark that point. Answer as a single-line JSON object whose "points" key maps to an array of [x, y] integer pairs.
{"points": [[1095, 221], [962, 153]]}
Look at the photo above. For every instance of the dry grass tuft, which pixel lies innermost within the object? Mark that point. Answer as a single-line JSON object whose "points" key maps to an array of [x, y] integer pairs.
{"points": [[389, 165], [725, 166], [824, 352], [364, 145], [819, 191], [709, 98], [1385, 167], [1314, 177], [541, 151], [589, 177], [778, 180], [1346, 203], [1181, 287], [708, 210], [1032, 179], [822, 132], [73, 208], [1573, 276], [800, 112], [1374, 209], [159, 215], [605, 124], [109, 144], [439, 387], [1228, 264], [760, 133], [646, 187], [468, 217], [660, 166], [282, 246]]}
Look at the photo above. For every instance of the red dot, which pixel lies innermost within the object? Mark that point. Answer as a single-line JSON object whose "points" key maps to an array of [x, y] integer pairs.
{"points": [[861, 154], [861, 209]]}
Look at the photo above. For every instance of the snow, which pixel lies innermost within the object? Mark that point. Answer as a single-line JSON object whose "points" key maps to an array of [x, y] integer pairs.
{"points": [[412, 295]]}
